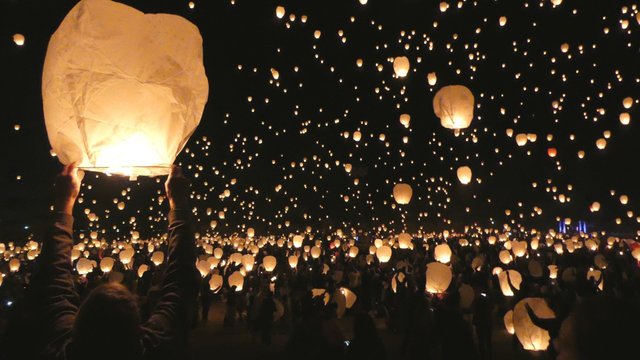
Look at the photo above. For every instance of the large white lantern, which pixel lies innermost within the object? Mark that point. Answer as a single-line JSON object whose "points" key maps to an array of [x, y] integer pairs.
{"points": [[269, 263], [509, 282], [236, 279], [438, 278], [442, 253], [530, 336], [464, 174], [122, 90], [383, 253], [401, 66], [402, 193], [453, 105]]}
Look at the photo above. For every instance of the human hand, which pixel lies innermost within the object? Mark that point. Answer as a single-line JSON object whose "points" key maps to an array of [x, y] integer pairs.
{"points": [[177, 187], [67, 188]]}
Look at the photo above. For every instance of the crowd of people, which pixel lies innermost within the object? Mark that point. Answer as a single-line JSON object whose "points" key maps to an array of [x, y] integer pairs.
{"points": [[145, 304]]}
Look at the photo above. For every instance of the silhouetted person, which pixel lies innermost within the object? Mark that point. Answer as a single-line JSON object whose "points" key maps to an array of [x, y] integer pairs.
{"points": [[483, 322], [455, 333], [600, 328], [107, 325], [205, 297], [267, 309], [365, 344]]}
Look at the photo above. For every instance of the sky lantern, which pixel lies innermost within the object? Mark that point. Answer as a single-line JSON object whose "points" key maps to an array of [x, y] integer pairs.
{"points": [[553, 271], [508, 322], [464, 175], [297, 241], [627, 103], [552, 152], [625, 118], [453, 105], [601, 143], [316, 251], [624, 199], [275, 74], [530, 336], [126, 257], [502, 21], [216, 282], [556, 2], [280, 11], [353, 251], [248, 261], [203, 267], [402, 193], [519, 248], [521, 139], [84, 266], [404, 241], [18, 39], [357, 135], [157, 258], [293, 261], [269, 263], [438, 278], [14, 265], [236, 279], [509, 282], [122, 91], [383, 253], [401, 66], [432, 78], [442, 253], [106, 264], [405, 119]]}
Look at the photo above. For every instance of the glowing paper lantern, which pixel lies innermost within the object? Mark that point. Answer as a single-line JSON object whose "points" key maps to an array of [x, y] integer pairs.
{"points": [[106, 264], [464, 175], [502, 21], [505, 257], [553, 271], [350, 297], [530, 336], [142, 269], [521, 139], [519, 248], [297, 241], [126, 256], [122, 91], [280, 11], [316, 252], [84, 266], [293, 261], [353, 251], [203, 267], [216, 282], [601, 143], [402, 193], [14, 265], [432, 78], [405, 119], [552, 152], [269, 263], [438, 278], [383, 253], [508, 322], [442, 253], [404, 241], [157, 258], [453, 105], [18, 39], [509, 282], [247, 262], [625, 118], [236, 279], [401, 66], [556, 2]]}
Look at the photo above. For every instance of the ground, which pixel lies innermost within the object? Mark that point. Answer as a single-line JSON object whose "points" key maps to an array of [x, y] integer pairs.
{"points": [[211, 339]]}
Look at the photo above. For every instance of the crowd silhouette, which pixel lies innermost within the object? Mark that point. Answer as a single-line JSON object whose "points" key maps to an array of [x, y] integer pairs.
{"points": [[148, 315]]}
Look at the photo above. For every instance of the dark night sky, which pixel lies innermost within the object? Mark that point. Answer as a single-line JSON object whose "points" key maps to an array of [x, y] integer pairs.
{"points": [[509, 64]]}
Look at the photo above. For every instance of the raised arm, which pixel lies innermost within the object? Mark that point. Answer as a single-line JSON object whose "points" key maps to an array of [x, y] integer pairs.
{"points": [[52, 286], [171, 316]]}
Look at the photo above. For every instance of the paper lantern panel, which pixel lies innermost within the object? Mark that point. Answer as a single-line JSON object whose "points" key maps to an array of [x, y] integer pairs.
{"points": [[122, 90]]}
